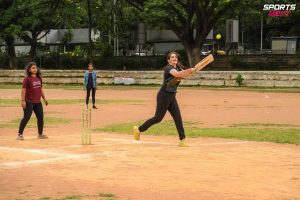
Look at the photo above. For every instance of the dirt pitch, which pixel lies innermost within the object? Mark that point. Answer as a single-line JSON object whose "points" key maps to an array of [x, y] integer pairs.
{"points": [[154, 168]]}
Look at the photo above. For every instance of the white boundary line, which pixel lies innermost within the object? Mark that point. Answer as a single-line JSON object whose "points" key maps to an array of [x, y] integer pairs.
{"points": [[41, 161], [66, 156], [33, 151], [124, 141], [53, 136]]}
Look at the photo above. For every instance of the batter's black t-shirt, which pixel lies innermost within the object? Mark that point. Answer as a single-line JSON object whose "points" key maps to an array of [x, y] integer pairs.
{"points": [[170, 82]]}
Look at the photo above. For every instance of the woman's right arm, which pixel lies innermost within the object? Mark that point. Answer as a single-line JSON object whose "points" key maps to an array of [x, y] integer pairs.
{"points": [[183, 73], [23, 94]]}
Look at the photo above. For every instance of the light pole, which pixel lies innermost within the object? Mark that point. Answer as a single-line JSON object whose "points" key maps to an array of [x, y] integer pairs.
{"points": [[261, 33], [116, 39]]}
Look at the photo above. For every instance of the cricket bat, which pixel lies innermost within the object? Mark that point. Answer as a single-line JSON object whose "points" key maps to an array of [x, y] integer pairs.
{"points": [[204, 62]]}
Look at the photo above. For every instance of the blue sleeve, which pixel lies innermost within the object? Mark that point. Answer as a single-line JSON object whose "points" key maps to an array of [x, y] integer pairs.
{"points": [[95, 79], [85, 79]]}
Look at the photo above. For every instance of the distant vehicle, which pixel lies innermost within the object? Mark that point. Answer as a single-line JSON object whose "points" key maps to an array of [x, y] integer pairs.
{"points": [[205, 53], [221, 52], [140, 54]]}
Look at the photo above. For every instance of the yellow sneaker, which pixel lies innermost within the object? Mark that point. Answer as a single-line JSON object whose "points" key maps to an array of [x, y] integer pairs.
{"points": [[136, 133], [183, 144]]}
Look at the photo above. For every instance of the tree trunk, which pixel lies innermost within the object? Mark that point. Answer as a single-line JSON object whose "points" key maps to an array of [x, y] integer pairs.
{"points": [[193, 46], [90, 46], [193, 54], [10, 41], [32, 52]]}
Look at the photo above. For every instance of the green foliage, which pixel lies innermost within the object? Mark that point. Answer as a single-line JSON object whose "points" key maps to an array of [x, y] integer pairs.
{"points": [[107, 196], [103, 49], [70, 197], [190, 20], [239, 79], [254, 63], [3, 60], [35, 16], [7, 19], [238, 63], [79, 51], [68, 36], [67, 60], [155, 12], [100, 196], [45, 198]]}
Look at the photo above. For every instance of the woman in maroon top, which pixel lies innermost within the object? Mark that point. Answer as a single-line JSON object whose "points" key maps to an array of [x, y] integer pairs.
{"points": [[32, 91]]}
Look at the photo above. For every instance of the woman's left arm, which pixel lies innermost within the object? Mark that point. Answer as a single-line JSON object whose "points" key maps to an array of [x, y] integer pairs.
{"points": [[95, 80], [183, 73], [190, 72], [44, 97]]}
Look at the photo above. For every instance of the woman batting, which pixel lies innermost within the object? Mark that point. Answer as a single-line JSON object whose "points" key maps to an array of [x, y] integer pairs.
{"points": [[32, 91], [166, 98]]}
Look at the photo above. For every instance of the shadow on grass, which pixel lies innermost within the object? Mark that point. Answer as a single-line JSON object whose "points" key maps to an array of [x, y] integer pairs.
{"points": [[33, 121]]}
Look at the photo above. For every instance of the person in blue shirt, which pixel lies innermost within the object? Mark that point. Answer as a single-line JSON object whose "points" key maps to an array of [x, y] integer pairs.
{"points": [[166, 98], [90, 84]]}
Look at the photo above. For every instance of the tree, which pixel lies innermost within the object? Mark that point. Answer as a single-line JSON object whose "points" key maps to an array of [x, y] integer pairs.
{"points": [[190, 20], [8, 29], [111, 19], [31, 20], [96, 15], [4, 4], [40, 17], [90, 46]]}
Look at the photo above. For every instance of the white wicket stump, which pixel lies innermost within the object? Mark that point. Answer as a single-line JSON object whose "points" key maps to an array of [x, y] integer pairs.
{"points": [[86, 118]]}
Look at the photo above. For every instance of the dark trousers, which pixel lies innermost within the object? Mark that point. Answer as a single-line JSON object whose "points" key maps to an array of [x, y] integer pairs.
{"points": [[88, 93], [166, 102], [37, 108]]}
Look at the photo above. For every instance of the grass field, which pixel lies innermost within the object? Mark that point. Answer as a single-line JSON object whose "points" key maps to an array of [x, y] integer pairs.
{"points": [[271, 132], [49, 121], [100, 196], [150, 87], [244, 144], [289, 134]]}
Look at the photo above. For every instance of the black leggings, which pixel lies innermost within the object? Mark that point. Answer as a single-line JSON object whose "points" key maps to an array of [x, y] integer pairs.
{"points": [[166, 101], [38, 111], [88, 92]]}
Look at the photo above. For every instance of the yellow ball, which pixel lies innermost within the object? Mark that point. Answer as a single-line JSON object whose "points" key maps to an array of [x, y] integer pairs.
{"points": [[218, 36]]}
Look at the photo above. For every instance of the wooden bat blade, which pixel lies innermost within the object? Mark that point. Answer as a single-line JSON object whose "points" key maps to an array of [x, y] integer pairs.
{"points": [[204, 62]]}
